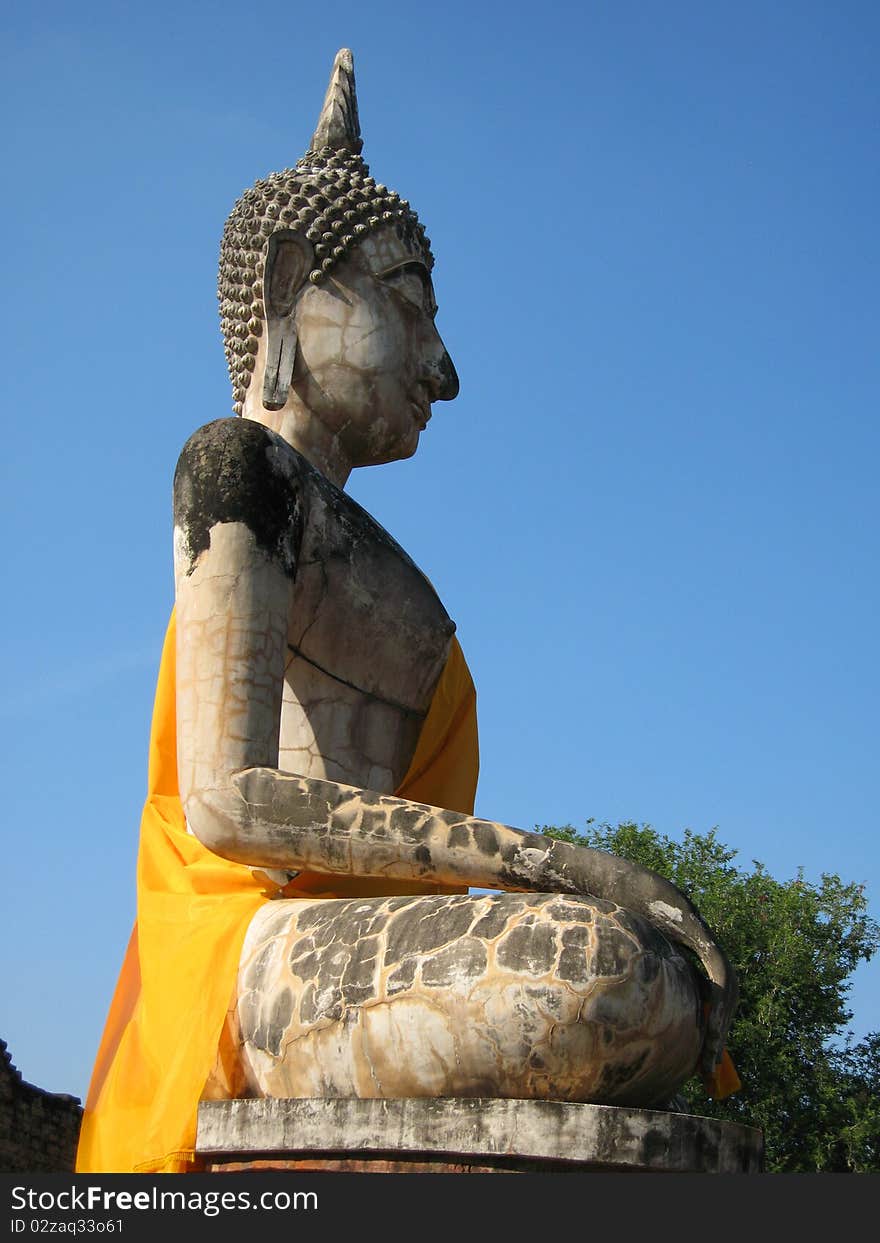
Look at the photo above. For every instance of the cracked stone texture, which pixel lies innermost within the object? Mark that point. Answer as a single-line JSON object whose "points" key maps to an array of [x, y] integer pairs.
{"points": [[509, 995]]}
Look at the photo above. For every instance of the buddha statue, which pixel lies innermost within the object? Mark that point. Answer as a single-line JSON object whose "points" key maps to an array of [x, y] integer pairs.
{"points": [[309, 844]]}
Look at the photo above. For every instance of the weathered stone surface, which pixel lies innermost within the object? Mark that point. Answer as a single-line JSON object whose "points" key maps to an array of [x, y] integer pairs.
{"points": [[438, 996], [478, 1132]]}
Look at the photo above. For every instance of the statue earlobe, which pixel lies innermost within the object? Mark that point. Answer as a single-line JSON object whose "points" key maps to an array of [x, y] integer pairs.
{"points": [[289, 258]]}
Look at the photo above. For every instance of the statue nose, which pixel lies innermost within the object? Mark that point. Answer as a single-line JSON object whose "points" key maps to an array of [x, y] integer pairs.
{"points": [[441, 378], [449, 379]]}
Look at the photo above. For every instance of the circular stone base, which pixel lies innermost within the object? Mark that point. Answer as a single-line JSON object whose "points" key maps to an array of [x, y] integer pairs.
{"points": [[468, 1135]]}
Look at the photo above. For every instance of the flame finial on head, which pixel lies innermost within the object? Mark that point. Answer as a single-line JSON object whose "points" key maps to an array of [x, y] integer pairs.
{"points": [[338, 125]]}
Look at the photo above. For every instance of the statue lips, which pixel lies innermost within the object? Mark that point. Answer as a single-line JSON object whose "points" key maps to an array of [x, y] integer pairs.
{"points": [[421, 415], [421, 408]]}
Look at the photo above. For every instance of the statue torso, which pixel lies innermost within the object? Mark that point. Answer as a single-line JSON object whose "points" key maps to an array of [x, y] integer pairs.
{"points": [[367, 641], [366, 637]]}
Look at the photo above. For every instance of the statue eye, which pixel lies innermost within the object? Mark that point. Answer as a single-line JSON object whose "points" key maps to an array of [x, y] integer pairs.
{"points": [[412, 282]]}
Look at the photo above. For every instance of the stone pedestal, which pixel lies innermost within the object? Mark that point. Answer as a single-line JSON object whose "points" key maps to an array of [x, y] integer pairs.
{"points": [[468, 1135]]}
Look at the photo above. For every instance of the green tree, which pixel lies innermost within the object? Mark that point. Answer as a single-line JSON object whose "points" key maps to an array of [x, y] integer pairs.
{"points": [[813, 1090]]}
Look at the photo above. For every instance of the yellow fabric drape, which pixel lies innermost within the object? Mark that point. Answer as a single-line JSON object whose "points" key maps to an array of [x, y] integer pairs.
{"points": [[163, 1029], [724, 1080]]}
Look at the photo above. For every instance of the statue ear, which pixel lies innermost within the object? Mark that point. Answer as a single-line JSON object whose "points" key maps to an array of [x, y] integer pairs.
{"points": [[289, 258]]}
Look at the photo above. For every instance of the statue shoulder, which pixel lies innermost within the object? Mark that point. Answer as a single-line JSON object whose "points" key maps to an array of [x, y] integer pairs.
{"points": [[237, 470]]}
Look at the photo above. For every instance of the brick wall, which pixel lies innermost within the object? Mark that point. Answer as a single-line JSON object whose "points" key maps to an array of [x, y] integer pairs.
{"points": [[38, 1130]]}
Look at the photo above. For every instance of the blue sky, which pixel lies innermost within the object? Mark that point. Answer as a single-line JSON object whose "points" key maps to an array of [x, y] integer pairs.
{"points": [[652, 510]]}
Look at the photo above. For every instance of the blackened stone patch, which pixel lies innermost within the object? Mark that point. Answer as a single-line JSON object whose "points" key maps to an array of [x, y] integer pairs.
{"points": [[584, 907], [486, 839], [401, 820], [397, 904], [572, 911], [375, 923], [229, 471], [304, 965], [321, 914], [576, 936], [335, 922], [528, 949], [427, 926], [402, 978], [613, 952], [355, 923], [459, 836], [330, 935], [465, 958], [373, 822], [278, 1021], [493, 923], [573, 966], [360, 969]]}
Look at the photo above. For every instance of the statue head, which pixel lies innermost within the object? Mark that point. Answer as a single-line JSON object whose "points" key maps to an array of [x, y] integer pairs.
{"points": [[313, 238]]}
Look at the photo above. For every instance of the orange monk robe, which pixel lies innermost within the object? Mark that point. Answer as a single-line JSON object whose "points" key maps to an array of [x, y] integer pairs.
{"points": [[161, 1039]]}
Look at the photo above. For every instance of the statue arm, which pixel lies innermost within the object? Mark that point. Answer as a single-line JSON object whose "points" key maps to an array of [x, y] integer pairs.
{"points": [[271, 819], [234, 572], [237, 524]]}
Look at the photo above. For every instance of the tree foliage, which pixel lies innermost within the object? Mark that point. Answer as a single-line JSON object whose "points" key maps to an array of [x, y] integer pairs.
{"points": [[812, 1089]]}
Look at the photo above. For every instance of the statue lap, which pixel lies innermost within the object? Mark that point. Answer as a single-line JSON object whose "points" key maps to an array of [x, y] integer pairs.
{"points": [[509, 995]]}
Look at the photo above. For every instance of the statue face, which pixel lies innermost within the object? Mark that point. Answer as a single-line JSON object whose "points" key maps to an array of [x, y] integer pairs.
{"points": [[369, 358]]}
